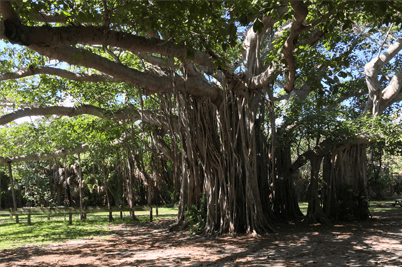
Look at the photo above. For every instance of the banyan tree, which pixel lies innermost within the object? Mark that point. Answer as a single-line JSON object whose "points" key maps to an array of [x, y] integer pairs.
{"points": [[215, 69]]}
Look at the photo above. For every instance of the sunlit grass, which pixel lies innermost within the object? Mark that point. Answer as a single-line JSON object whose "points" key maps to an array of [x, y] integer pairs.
{"points": [[384, 205], [374, 206], [303, 207], [57, 229]]}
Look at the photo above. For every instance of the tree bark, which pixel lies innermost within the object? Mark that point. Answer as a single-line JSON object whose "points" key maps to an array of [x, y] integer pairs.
{"points": [[130, 187], [10, 174], [315, 214], [106, 191], [82, 215], [223, 160], [345, 184]]}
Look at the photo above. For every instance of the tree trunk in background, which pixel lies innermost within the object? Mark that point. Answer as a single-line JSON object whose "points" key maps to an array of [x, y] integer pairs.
{"points": [[1, 189], [68, 201], [130, 187], [345, 181], [315, 214], [10, 174], [119, 198], [60, 186], [141, 167], [82, 216], [285, 200], [106, 190]]}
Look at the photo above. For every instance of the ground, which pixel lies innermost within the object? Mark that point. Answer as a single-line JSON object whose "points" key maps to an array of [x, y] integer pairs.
{"points": [[376, 242]]}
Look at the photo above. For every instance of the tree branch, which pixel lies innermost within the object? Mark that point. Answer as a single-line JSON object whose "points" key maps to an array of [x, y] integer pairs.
{"points": [[125, 113], [161, 62], [80, 77], [295, 30], [153, 84], [45, 156], [326, 16], [394, 7], [327, 146], [46, 36], [382, 98]]}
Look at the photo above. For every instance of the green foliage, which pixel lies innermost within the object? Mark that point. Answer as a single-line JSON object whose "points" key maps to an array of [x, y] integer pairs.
{"points": [[197, 215], [381, 183]]}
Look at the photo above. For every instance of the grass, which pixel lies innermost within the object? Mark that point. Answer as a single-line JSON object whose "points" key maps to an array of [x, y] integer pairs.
{"points": [[43, 232], [374, 206], [303, 207], [380, 205]]}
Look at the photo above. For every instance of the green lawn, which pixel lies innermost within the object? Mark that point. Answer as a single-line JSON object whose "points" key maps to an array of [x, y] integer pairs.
{"points": [[373, 205], [43, 232]]}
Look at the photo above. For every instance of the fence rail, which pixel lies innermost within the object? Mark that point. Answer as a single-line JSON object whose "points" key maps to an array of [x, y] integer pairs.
{"points": [[71, 210]]}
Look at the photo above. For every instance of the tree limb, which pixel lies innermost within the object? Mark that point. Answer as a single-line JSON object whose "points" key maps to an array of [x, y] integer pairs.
{"points": [[151, 83], [329, 145], [122, 114], [394, 7], [80, 77], [45, 156], [295, 30], [46, 36], [381, 98]]}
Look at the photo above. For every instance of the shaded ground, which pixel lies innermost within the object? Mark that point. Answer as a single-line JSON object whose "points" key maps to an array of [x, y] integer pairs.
{"points": [[376, 242]]}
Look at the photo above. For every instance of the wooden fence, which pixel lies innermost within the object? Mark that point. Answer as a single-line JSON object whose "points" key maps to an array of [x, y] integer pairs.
{"points": [[70, 211]]}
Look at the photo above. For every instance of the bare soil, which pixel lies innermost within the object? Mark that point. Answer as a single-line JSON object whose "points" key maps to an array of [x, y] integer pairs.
{"points": [[376, 242]]}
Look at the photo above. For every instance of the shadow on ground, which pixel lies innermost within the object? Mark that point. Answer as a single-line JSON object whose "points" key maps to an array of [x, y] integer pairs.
{"points": [[371, 243]]}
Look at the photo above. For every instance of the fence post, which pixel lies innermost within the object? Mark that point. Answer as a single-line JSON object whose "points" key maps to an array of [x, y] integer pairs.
{"points": [[29, 219]]}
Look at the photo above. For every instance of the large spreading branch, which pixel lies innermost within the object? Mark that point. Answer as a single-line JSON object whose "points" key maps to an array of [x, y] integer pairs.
{"points": [[80, 77], [47, 36], [297, 28], [58, 43], [153, 84], [380, 98], [128, 113], [329, 145]]}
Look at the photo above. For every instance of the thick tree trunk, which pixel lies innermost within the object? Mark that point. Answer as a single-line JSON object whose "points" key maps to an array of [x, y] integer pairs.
{"points": [[345, 181], [220, 161], [285, 200], [315, 214]]}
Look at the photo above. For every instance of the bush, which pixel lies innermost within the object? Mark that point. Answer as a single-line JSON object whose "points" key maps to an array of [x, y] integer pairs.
{"points": [[197, 215], [352, 205], [380, 186]]}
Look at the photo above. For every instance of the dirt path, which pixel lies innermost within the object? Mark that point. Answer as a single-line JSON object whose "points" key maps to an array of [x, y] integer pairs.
{"points": [[376, 242]]}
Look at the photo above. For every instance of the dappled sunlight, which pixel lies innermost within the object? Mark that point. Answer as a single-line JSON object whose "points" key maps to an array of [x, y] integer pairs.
{"points": [[369, 243]]}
